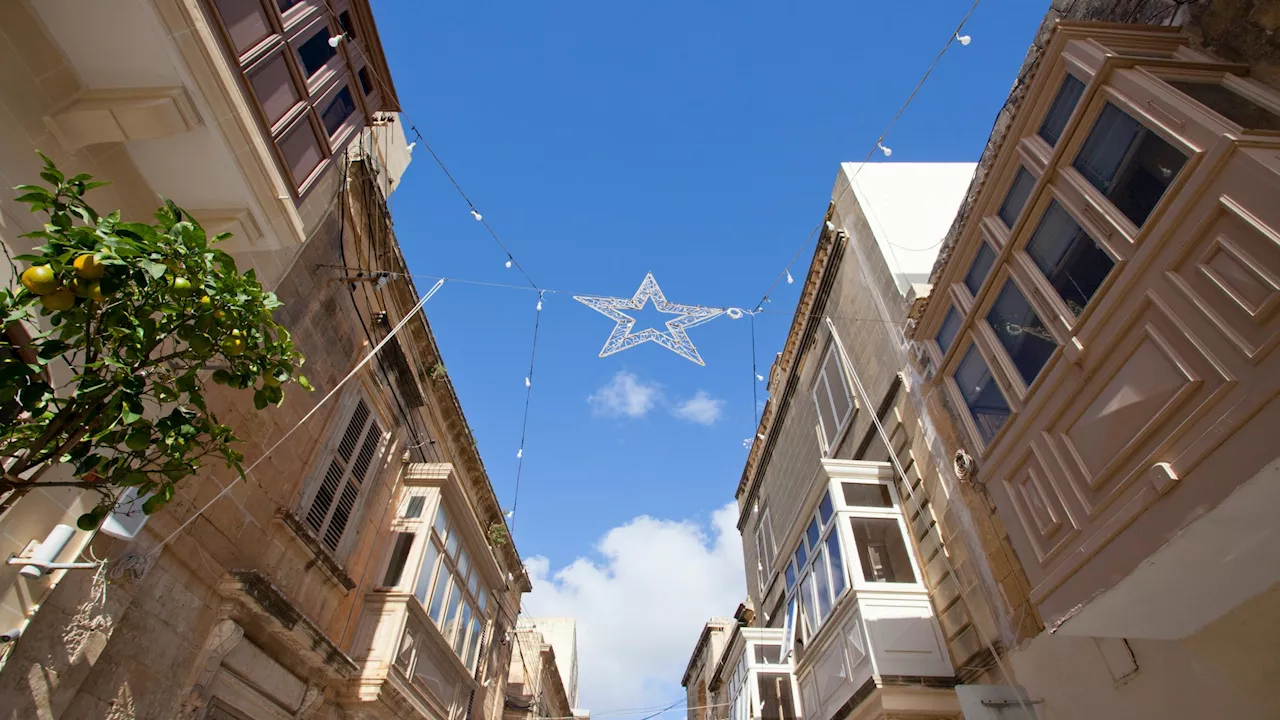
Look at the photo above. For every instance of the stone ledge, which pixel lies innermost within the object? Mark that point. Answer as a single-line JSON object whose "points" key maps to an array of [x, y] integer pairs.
{"points": [[258, 605], [321, 557]]}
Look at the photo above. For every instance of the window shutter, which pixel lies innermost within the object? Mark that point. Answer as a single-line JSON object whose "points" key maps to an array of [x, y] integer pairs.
{"points": [[335, 500]]}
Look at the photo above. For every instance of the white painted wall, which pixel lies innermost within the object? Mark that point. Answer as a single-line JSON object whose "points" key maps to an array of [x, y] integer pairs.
{"points": [[910, 207]]}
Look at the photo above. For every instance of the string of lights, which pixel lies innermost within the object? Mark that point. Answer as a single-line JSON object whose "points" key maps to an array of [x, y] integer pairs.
{"points": [[548, 291], [880, 146], [511, 260]]}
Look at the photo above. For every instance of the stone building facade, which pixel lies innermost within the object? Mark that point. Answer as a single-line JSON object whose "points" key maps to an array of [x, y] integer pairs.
{"points": [[537, 688], [701, 702], [363, 568], [1059, 548], [1098, 341]]}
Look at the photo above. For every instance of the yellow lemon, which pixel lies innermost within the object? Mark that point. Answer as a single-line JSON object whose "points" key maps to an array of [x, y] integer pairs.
{"points": [[60, 299], [88, 267], [39, 279]]}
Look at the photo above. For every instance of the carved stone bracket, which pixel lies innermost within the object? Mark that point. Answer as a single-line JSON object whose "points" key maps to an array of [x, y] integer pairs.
{"points": [[310, 702], [120, 115], [225, 635]]}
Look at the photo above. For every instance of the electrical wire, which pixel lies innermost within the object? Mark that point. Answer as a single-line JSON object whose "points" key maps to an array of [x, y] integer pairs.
{"points": [[874, 147], [310, 414], [524, 423], [482, 283]]}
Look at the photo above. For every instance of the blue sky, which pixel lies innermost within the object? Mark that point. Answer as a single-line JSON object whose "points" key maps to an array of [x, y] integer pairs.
{"points": [[696, 141]]}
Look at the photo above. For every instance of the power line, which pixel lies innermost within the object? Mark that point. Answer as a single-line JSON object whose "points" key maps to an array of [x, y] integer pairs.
{"points": [[874, 147], [544, 291]]}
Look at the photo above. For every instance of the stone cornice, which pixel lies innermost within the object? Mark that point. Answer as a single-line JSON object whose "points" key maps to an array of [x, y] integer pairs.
{"points": [[786, 369]]}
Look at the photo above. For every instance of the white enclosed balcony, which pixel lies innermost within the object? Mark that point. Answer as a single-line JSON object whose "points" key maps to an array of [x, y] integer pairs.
{"points": [[756, 676], [421, 636], [859, 622]]}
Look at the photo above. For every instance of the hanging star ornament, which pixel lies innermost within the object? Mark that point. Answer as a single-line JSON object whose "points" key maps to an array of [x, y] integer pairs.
{"points": [[675, 339]]}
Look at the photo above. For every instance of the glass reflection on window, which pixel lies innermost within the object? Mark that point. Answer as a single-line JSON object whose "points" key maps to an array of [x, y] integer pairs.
{"points": [[1021, 332], [1070, 259]]}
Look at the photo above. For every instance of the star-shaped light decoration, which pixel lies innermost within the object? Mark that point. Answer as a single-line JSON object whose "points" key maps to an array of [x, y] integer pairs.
{"points": [[675, 339]]}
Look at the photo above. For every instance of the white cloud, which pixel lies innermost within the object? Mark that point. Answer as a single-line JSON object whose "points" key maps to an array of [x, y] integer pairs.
{"points": [[641, 605], [624, 395], [701, 408]]}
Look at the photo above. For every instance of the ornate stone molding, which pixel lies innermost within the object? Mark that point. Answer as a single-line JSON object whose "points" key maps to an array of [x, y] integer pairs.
{"points": [[220, 641], [120, 115]]}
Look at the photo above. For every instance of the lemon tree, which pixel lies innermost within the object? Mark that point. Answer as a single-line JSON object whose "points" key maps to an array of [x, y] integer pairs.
{"points": [[136, 320]]}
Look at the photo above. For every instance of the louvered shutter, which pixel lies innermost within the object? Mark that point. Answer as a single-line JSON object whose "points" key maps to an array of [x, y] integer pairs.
{"points": [[335, 500]]}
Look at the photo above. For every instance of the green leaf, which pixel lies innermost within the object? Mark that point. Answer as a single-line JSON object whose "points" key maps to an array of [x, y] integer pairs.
{"points": [[155, 269], [260, 399], [305, 383]]}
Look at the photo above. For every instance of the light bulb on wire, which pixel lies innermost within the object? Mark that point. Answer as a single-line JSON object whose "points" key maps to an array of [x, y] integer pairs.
{"points": [[963, 39], [519, 454], [759, 377], [887, 151], [337, 39], [476, 214], [409, 148], [508, 264], [527, 382], [790, 279]]}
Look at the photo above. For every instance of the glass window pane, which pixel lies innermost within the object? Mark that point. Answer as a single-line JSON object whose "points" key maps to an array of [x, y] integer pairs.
{"points": [[776, 700], [811, 536], [950, 328], [867, 495], [826, 413], [980, 268], [484, 601], [348, 27], [463, 624], [837, 564], [451, 545], [768, 654], [464, 564], [1070, 259], [441, 524], [1055, 121], [1021, 332], [802, 556], [284, 5], [245, 21], [301, 151], [449, 622], [841, 402], [791, 576], [809, 623], [822, 585], [1129, 163], [981, 394], [1019, 191], [882, 550], [1229, 104], [473, 646], [366, 81], [426, 570], [825, 509], [473, 584], [413, 509], [273, 86], [399, 556], [338, 110], [437, 607], [315, 52]]}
